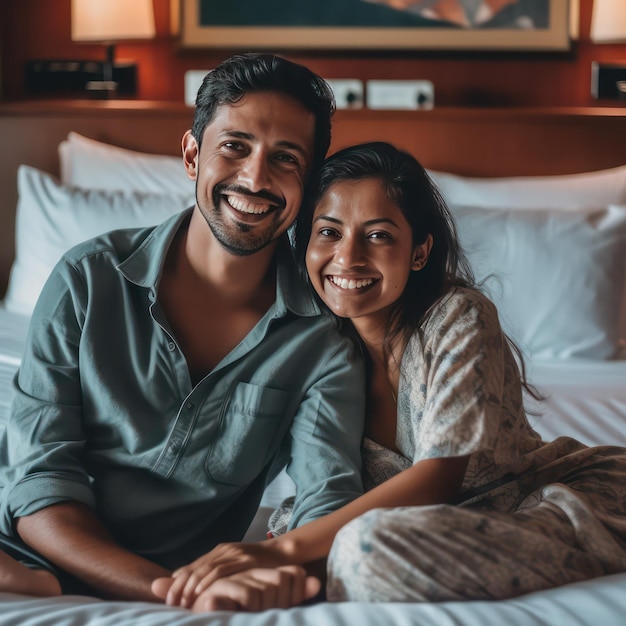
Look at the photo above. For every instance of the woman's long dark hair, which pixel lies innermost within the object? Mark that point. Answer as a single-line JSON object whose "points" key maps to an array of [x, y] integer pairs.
{"points": [[408, 185]]}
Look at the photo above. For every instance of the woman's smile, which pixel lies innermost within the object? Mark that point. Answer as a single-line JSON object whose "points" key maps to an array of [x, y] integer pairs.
{"points": [[350, 283]]}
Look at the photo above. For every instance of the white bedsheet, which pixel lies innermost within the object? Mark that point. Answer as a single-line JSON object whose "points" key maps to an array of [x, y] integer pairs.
{"points": [[586, 400], [598, 602]]}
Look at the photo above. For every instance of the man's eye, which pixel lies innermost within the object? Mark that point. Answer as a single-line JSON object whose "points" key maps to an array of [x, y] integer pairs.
{"points": [[287, 158], [233, 145]]}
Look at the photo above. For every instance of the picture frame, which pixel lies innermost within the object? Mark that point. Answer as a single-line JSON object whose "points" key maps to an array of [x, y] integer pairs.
{"points": [[233, 25]]}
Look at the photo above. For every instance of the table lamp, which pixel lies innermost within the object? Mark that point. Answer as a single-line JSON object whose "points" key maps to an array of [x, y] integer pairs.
{"points": [[107, 22], [608, 25]]}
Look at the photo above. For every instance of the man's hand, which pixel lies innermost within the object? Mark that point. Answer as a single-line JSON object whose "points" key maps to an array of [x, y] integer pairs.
{"points": [[225, 560], [259, 589]]}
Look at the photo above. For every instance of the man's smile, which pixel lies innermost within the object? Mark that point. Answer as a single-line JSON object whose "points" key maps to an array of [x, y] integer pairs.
{"points": [[244, 205]]}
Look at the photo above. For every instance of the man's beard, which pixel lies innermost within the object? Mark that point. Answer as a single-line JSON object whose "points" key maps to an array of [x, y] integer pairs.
{"points": [[227, 235]]}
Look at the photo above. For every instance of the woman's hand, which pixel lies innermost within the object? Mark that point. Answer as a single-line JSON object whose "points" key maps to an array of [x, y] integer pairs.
{"points": [[259, 589], [226, 559]]}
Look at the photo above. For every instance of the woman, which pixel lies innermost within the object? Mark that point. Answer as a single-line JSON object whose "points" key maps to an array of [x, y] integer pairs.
{"points": [[464, 500]]}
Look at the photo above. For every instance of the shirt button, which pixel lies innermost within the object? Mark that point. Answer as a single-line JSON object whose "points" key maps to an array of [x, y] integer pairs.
{"points": [[172, 346], [190, 405]]}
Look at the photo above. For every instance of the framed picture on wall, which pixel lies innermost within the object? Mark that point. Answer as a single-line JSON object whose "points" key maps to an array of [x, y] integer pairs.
{"points": [[376, 24]]}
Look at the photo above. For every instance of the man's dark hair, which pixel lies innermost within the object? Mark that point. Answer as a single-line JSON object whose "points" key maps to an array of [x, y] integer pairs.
{"points": [[241, 74]]}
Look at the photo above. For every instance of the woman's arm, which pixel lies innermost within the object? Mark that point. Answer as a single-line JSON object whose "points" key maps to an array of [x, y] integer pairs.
{"points": [[431, 481]]}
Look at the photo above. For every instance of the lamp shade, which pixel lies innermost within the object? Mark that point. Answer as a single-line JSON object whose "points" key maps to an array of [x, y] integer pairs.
{"points": [[608, 21], [111, 20]]}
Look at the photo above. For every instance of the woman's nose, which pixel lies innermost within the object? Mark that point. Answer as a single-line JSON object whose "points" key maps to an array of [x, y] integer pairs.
{"points": [[351, 252]]}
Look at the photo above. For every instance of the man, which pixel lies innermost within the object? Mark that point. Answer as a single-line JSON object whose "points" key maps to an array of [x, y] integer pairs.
{"points": [[170, 372]]}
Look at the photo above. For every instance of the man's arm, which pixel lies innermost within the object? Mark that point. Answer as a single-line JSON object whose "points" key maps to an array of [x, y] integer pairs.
{"points": [[48, 497], [326, 433], [70, 535]]}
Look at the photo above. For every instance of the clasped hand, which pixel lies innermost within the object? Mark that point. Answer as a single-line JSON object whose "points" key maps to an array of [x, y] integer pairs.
{"points": [[237, 577]]}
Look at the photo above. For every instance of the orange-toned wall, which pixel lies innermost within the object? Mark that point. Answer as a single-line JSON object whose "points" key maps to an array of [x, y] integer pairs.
{"points": [[40, 29]]}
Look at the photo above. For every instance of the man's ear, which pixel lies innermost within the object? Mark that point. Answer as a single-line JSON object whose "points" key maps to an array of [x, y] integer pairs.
{"points": [[190, 155], [421, 253]]}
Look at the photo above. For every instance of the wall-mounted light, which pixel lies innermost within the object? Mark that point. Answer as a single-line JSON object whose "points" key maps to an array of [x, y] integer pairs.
{"points": [[107, 22]]}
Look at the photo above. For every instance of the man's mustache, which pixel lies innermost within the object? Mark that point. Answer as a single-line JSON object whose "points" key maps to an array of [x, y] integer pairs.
{"points": [[262, 195]]}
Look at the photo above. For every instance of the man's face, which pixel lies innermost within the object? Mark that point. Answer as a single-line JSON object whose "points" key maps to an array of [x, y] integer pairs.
{"points": [[251, 169]]}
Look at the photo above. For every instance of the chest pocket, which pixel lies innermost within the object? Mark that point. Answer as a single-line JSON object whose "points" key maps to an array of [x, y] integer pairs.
{"points": [[249, 433]]}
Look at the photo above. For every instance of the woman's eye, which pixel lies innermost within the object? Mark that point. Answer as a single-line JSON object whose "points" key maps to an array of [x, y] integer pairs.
{"points": [[328, 232]]}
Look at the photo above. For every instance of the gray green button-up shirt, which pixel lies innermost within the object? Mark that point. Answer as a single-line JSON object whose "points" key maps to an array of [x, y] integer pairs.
{"points": [[105, 412]]}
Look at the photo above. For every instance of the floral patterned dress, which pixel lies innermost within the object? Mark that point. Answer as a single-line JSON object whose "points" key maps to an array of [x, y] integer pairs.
{"points": [[531, 514]]}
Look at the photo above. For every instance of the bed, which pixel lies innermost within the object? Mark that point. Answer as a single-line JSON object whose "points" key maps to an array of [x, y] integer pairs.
{"points": [[555, 265]]}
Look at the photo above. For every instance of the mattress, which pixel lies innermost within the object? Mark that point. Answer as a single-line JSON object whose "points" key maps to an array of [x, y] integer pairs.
{"points": [[584, 399], [13, 329]]}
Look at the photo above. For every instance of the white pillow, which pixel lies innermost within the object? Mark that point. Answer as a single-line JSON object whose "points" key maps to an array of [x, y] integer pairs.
{"points": [[96, 165], [51, 218], [572, 191], [559, 275]]}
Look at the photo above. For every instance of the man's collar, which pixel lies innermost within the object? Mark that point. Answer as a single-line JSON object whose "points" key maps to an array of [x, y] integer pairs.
{"points": [[143, 268], [292, 291]]}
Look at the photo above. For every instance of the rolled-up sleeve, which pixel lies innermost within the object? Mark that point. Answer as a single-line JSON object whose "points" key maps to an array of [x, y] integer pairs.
{"points": [[45, 437], [326, 433]]}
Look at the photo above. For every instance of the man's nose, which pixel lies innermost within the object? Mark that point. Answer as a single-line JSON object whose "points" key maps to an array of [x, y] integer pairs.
{"points": [[255, 174]]}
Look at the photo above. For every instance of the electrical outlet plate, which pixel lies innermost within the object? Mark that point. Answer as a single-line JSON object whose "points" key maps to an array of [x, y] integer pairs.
{"points": [[400, 94], [348, 92], [193, 80]]}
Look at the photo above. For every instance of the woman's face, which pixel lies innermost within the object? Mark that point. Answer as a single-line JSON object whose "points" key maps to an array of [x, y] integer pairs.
{"points": [[361, 250]]}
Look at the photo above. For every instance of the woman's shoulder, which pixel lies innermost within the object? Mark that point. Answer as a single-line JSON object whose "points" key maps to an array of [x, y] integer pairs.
{"points": [[461, 316], [463, 304]]}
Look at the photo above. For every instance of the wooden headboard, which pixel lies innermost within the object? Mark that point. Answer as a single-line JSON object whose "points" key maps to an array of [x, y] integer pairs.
{"points": [[470, 142]]}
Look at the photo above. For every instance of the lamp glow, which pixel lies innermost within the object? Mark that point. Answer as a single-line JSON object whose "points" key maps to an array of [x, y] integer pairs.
{"points": [[608, 21], [112, 20]]}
